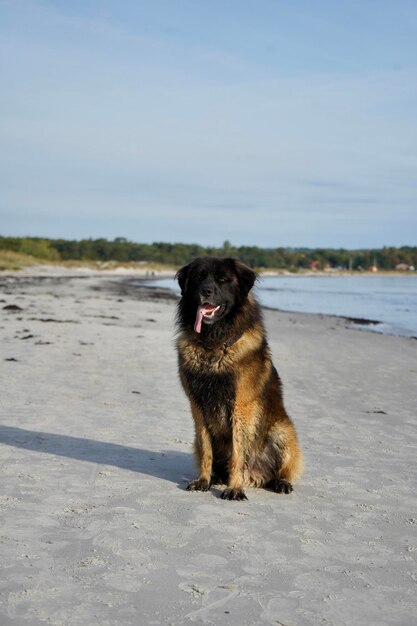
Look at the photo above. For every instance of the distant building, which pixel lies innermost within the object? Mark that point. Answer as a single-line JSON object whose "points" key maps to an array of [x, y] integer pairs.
{"points": [[403, 267]]}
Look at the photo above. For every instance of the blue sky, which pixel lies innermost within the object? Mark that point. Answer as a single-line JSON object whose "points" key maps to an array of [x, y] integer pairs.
{"points": [[274, 123]]}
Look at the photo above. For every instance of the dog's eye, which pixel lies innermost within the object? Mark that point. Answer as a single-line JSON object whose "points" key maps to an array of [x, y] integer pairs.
{"points": [[223, 279]]}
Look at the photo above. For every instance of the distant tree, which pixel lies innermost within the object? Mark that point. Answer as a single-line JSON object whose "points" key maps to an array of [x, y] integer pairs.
{"points": [[123, 250]]}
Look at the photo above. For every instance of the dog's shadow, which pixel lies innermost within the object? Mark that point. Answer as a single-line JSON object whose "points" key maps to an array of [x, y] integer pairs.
{"points": [[170, 465]]}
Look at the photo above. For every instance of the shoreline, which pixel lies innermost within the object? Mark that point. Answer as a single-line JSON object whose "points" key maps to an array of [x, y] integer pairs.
{"points": [[135, 285], [148, 270]]}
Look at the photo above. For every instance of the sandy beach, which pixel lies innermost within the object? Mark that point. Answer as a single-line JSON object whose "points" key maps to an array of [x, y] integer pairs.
{"points": [[96, 450]]}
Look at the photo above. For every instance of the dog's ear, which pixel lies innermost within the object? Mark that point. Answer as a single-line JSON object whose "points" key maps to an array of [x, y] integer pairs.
{"points": [[182, 277], [246, 276]]}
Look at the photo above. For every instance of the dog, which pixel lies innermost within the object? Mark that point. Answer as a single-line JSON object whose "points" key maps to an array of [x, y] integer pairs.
{"points": [[243, 435]]}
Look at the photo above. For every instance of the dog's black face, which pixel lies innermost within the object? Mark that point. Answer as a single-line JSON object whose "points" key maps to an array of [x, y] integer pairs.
{"points": [[212, 289]]}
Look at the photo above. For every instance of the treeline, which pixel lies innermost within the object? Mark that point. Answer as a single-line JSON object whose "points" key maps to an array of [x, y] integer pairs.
{"points": [[123, 251]]}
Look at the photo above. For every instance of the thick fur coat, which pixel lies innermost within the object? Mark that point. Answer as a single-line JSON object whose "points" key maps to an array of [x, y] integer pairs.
{"points": [[243, 435]]}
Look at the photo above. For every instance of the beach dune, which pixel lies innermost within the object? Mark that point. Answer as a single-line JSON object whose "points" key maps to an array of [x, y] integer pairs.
{"points": [[96, 451]]}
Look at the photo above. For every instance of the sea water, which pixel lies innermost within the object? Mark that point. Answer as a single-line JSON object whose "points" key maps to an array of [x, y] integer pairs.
{"points": [[389, 300]]}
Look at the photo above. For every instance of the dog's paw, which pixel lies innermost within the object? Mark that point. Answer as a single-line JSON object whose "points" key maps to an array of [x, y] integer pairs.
{"points": [[233, 494], [201, 484], [280, 485]]}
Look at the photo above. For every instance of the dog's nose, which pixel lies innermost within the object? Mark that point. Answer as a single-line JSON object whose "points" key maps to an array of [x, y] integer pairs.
{"points": [[206, 292]]}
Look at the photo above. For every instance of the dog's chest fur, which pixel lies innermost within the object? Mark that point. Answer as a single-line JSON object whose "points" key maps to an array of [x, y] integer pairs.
{"points": [[211, 384]]}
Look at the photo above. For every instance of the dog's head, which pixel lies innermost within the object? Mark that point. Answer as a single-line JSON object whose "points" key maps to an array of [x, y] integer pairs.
{"points": [[213, 288]]}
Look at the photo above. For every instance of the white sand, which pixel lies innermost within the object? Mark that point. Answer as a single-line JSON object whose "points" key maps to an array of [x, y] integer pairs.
{"points": [[96, 450]]}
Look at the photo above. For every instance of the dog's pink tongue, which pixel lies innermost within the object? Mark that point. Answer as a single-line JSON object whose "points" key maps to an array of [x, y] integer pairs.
{"points": [[199, 319], [202, 310]]}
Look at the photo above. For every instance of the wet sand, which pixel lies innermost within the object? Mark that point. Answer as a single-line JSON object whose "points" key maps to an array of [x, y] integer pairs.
{"points": [[96, 451]]}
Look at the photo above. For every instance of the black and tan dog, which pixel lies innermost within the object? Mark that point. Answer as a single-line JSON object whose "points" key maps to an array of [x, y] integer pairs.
{"points": [[244, 436]]}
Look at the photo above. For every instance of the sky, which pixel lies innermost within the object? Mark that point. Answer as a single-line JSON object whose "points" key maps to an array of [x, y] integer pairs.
{"points": [[269, 123]]}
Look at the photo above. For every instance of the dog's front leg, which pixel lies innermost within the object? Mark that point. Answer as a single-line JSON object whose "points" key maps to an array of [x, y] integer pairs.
{"points": [[234, 490], [203, 452]]}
